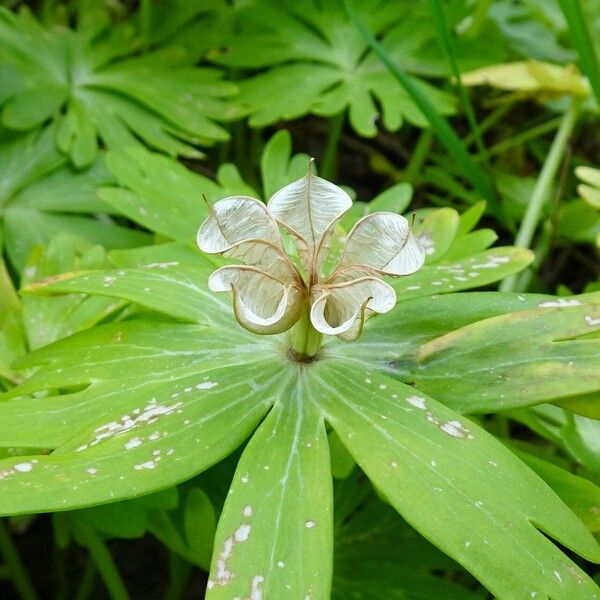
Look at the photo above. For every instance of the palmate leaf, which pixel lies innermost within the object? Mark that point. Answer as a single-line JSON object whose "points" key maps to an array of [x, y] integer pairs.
{"points": [[195, 25], [316, 54], [85, 80], [41, 196], [118, 432], [101, 454]]}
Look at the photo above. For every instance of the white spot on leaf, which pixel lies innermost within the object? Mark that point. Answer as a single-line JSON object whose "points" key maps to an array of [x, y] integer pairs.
{"points": [[23, 467], [417, 401], [242, 532], [206, 385], [255, 591], [558, 303]]}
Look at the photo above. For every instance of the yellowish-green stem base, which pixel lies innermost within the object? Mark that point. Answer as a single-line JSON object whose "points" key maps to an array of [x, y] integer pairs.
{"points": [[306, 340]]}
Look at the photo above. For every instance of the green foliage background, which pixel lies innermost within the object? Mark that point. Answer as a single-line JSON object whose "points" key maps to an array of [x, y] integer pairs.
{"points": [[440, 455]]}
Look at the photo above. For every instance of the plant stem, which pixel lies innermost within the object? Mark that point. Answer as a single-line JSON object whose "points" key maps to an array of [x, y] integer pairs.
{"points": [[489, 121], [478, 18], [543, 185], [87, 581], [541, 249], [179, 573], [525, 136], [330, 153], [103, 560], [306, 340], [255, 148], [419, 155], [15, 565], [145, 22]]}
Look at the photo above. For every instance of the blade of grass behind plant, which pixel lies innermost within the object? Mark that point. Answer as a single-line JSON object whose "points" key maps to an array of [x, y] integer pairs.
{"points": [[478, 178], [17, 571], [580, 36], [447, 44]]}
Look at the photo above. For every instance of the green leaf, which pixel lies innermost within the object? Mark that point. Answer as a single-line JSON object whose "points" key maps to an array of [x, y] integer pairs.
{"points": [[389, 341], [470, 243], [40, 198], [144, 351], [437, 231], [26, 228], [277, 165], [111, 92], [25, 158], [475, 271], [377, 553], [281, 492], [394, 199], [494, 364], [342, 464], [66, 190], [456, 484], [580, 436], [579, 494], [33, 106], [200, 524], [470, 217], [159, 193], [48, 319], [326, 66], [163, 286], [12, 344], [156, 437]]}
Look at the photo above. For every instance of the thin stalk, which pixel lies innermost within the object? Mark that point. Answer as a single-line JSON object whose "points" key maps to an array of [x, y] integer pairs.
{"points": [[239, 141], [86, 584], [255, 148], [496, 115], [61, 584], [13, 561], [306, 340], [541, 249], [419, 155], [330, 153], [478, 19], [525, 136], [544, 183], [179, 574], [104, 562], [447, 43], [146, 22]]}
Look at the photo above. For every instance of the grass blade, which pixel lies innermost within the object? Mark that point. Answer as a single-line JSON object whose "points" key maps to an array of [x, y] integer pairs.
{"points": [[580, 36], [447, 44], [473, 172]]}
